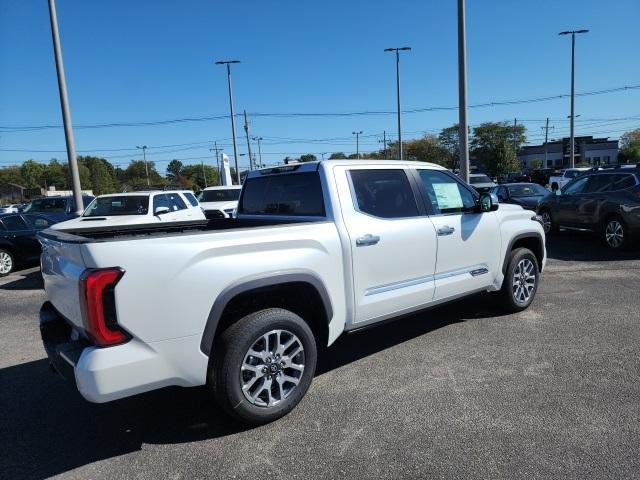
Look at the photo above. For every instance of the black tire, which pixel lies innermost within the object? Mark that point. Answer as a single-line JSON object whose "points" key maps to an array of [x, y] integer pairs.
{"points": [[512, 297], [228, 357], [551, 227], [615, 233], [7, 263]]}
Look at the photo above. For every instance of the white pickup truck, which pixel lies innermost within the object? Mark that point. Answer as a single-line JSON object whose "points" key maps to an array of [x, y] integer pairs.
{"points": [[559, 181], [242, 304]]}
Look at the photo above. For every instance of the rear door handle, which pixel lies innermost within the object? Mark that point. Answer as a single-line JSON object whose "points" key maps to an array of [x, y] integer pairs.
{"points": [[446, 230], [368, 239]]}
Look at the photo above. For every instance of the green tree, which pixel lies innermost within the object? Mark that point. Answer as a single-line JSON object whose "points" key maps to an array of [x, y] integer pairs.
{"points": [[174, 169], [426, 149], [191, 177], [630, 146], [493, 145], [135, 174], [32, 173], [56, 176], [100, 176], [449, 139], [337, 156], [309, 157], [11, 174]]}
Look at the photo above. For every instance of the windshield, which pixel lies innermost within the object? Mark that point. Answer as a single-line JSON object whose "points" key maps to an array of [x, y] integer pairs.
{"points": [[480, 179], [46, 205], [527, 190], [225, 195], [107, 206], [572, 173]]}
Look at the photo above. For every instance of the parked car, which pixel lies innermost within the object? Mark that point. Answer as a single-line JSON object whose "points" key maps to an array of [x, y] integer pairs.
{"points": [[14, 208], [137, 208], [481, 182], [527, 195], [565, 176], [541, 176], [316, 249], [59, 208], [220, 202], [606, 202], [18, 242]]}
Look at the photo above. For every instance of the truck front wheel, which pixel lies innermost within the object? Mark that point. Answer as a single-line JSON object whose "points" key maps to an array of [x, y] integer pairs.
{"points": [[520, 282], [263, 365]]}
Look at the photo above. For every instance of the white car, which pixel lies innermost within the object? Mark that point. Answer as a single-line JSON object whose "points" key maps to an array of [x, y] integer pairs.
{"points": [[559, 181], [481, 182], [316, 249], [219, 202], [9, 208], [135, 208]]}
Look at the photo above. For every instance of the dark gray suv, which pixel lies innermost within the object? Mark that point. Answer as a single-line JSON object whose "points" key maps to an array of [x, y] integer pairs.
{"points": [[605, 201]]}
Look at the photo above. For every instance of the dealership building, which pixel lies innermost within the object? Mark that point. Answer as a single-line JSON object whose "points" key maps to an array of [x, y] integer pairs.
{"points": [[556, 153]]}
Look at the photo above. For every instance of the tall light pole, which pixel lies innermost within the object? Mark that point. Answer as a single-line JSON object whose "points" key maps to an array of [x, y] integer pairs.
{"points": [[398, 50], [246, 132], [233, 118], [573, 91], [463, 129], [259, 139], [357, 134], [216, 149], [66, 114], [144, 156]]}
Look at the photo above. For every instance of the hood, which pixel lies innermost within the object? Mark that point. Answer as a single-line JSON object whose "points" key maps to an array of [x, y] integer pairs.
{"points": [[218, 205], [531, 201]]}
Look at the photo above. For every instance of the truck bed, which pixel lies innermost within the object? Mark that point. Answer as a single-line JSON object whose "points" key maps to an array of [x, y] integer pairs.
{"points": [[132, 232]]}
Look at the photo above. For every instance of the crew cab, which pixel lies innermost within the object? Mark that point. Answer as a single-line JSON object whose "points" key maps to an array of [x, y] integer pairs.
{"points": [[242, 304]]}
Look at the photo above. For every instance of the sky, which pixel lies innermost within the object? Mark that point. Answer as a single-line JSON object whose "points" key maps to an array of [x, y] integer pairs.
{"points": [[151, 61]]}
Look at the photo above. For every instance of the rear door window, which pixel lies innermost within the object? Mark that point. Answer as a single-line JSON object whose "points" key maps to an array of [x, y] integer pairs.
{"points": [[191, 198], [296, 194], [620, 181], [175, 202], [598, 184], [37, 222], [15, 223], [384, 193], [160, 201]]}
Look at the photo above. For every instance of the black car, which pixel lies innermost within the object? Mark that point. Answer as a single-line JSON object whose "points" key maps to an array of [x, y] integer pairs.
{"points": [[527, 195], [18, 243], [606, 201], [59, 208]]}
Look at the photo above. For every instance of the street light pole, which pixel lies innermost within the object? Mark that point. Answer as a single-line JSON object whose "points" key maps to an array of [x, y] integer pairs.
{"points": [[66, 114], [463, 129], [573, 91], [233, 118], [144, 156], [357, 134], [398, 50], [246, 132]]}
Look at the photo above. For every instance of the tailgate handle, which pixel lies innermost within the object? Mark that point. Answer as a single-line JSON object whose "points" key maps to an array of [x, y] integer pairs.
{"points": [[368, 239]]}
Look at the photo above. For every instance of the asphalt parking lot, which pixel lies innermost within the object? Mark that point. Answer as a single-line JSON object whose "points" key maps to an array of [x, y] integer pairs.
{"points": [[461, 391]]}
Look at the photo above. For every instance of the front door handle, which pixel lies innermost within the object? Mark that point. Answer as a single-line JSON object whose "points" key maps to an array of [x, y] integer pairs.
{"points": [[368, 239], [446, 230]]}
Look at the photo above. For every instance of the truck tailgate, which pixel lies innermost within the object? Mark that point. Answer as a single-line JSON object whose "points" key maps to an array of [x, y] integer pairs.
{"points": [[62, 264]]}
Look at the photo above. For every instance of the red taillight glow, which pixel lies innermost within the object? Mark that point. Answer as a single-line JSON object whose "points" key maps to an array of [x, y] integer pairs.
{"points": [[96, 289]]}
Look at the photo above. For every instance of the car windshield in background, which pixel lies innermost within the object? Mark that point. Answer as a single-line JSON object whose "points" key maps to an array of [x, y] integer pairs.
{"points": [[46, 205], [228, 195], [572, 173], [298, 194], [527, 190], [480, 179], [108, 206]]}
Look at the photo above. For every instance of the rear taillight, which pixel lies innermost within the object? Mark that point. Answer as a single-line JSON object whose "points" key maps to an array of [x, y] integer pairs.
{"points": [[97, 301]]}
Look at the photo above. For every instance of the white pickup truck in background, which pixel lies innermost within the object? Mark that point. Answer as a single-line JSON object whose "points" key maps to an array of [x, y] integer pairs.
{"points": [[559, 181], [242, 304]]}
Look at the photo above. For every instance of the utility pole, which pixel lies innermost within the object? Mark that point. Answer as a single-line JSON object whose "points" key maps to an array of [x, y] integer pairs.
{"points": [[259, 139], [573, 92], [246, 132], [357, 134], [204, 175], [216, 149], [144, 156], [233, 117], [546, 138], [384, 144], [398, 50], [463, 131], [66, 114]]}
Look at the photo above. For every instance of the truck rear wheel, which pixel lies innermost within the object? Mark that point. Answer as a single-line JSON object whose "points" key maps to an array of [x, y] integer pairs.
{"points": [[263, 365], [520, 282]]}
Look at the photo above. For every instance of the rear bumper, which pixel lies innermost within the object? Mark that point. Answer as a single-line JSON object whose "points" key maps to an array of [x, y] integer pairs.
{"points": [[105, 374]]}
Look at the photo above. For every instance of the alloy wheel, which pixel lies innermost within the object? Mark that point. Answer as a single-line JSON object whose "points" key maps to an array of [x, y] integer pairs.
{"points": [[272, 368], [546, 222], [614, 234], [523, 281], [6, 263]]}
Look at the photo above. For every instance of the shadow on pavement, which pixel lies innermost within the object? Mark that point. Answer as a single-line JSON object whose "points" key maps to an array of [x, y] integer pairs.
{"points": [[584, 247], [24, 281], [47, 428]]}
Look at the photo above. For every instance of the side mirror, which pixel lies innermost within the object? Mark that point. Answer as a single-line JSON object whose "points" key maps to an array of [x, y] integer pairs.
{"points": [[488, 202], [558, 192], [161, 210]]}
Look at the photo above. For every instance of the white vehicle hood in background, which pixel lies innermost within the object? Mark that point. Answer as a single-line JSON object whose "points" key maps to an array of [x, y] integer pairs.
{"points": [[219, 205]]}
